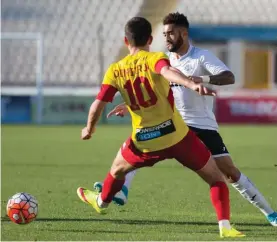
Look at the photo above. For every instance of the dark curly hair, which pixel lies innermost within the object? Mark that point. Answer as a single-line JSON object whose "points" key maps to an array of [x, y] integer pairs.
{"points": [[177, 19]]}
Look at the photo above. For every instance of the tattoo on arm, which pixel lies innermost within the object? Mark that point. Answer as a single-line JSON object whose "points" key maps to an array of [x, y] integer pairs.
{"points": [[223, 78]]}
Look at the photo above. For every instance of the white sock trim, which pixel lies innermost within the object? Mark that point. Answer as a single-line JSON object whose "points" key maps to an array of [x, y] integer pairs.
{"points": [[221, 155], [224, 223], [100, 202]]}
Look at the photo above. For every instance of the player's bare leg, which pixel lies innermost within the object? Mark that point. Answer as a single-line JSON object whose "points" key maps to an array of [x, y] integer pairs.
{"points": [[112, 184], [245, 187], [219, 194]]}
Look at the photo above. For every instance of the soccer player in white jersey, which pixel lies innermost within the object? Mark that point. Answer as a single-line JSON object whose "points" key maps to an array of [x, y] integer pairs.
{"points": [[197, 111]]}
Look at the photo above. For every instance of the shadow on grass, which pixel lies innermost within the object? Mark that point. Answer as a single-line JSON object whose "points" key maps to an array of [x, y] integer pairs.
{"points": [[138, 222], [89, 231]]}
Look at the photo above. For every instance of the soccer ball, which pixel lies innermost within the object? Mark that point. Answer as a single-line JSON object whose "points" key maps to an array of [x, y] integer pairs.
{"points": [[22, 208]]}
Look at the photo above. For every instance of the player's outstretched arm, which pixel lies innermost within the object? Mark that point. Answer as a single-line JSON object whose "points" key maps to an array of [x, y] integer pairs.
{"points": [[174, 75], [220, 73], [94, 114], [223, 78]]}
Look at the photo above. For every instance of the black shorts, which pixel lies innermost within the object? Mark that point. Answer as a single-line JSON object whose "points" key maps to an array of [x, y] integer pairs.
{"points": [[213, 141]]}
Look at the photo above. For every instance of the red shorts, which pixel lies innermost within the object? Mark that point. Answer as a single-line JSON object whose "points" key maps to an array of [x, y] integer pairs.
{"points": [[190, 152]]}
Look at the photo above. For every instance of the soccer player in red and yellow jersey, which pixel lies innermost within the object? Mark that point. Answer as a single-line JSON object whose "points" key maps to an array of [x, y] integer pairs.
{"points": [[159, 133]]}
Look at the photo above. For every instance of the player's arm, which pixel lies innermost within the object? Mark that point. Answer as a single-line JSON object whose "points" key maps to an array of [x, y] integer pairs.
{"points": [[160, 64], [174, 75], [223, 78], [94, 114], [105, 95], [220, 73]]}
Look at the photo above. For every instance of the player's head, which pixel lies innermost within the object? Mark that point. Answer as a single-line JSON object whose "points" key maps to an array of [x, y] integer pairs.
{"points": [[138, 32], [176, 27]]}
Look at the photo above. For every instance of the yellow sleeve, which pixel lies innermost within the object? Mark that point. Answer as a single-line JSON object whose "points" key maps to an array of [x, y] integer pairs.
{"points": [[109, 78], [155, 58]]}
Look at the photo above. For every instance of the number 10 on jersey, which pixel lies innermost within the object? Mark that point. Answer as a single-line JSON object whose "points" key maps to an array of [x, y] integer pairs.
{"points": [[135, 93]]}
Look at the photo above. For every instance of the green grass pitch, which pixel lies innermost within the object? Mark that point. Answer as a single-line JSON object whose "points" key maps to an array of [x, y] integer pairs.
{"points": [[166, 202]]}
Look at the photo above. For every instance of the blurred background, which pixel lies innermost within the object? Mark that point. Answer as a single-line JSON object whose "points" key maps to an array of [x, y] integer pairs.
{"points": [[55, 52]]}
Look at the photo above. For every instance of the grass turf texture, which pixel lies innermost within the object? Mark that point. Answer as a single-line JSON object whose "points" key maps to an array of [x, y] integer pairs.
{"points": [[166, 202]]}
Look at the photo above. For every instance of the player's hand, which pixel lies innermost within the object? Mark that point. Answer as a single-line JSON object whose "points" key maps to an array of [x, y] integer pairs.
{"points": [[120, 110], [202, 90], [196, 79], [85, 134]]}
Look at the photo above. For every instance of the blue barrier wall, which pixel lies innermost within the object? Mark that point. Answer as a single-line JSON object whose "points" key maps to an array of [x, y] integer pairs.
{"points": [[16, 109], [56, 110]]}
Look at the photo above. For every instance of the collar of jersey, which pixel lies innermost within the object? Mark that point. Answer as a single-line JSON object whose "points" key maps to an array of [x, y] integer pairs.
{"points": [[188, 52], [138, 53]]}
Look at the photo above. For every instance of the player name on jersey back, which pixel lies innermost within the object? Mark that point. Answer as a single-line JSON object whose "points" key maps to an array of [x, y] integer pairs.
{"points": [[131, 71]]}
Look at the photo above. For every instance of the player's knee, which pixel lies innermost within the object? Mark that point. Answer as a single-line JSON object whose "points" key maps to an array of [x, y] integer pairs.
{"points": [[120, 169], [210, 172], [117, 172], [232, 174], [228, 168]]}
